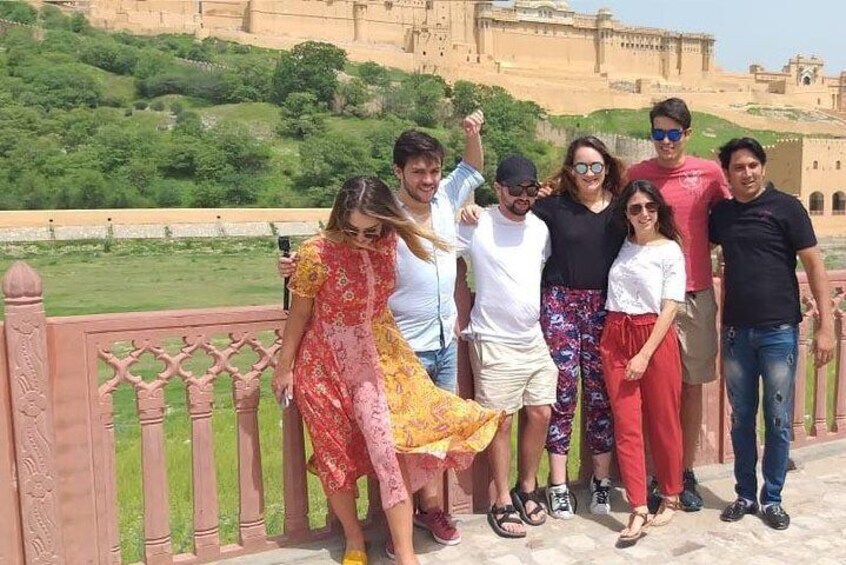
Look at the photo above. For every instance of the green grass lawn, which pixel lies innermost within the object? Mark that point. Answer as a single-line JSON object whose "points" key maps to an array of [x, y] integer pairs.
{"points": [[709, 131]]}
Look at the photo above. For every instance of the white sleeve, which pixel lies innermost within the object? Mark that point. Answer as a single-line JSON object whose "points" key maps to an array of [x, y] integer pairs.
{"points": [[463, 180], [675, 281], [464, 238]]}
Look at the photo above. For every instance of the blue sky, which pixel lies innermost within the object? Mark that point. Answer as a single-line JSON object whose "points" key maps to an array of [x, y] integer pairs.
{"points": [[768, 32]]}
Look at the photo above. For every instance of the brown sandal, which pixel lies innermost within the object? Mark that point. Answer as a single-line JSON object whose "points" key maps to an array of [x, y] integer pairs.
{"points": [[666, 511], [628, 540]]}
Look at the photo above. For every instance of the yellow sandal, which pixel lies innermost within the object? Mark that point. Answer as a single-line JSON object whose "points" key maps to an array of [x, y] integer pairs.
{"points": [[354, 557]]}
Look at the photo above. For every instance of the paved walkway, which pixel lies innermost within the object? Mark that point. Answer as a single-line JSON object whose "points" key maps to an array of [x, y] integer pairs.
{"points": [[815, 497]]}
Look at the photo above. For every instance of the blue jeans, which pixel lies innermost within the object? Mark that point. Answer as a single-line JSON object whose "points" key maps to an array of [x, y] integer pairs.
{"points": [[442, 366], [769, 353]]}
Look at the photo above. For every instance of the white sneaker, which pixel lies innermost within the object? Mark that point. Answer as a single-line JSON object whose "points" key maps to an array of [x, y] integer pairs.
{"points": [[558, 503], [600, 496]]}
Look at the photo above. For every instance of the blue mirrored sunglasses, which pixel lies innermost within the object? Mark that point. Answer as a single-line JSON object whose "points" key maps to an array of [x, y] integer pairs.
{"points": [[673, 135]]}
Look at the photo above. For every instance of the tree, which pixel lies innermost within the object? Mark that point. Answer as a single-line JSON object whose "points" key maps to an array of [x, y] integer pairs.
{"points": [[465, 98], [308, 67], [110, 56], [301, 116], [354, 97], [418, 98], [20, 12], [327, 161], [374, 74], [60, 86]]}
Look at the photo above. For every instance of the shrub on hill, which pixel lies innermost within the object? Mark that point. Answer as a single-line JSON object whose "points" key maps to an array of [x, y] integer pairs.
{"points": [[20, 12], [308, 67]]}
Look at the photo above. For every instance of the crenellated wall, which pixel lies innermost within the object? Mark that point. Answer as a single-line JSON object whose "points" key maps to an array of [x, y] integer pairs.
{"points": [[550, 53]]}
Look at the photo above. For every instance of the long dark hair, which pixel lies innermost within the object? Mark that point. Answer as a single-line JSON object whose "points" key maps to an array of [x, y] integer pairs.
{"points": [[666, 223], [564, 181], [372, 197]]}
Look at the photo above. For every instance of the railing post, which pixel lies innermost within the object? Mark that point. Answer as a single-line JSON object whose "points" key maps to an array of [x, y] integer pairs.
{"points": [[294, 475], [251, 528], [32, 417], [472, 487], [839, 377], [206, 530], [800, 434], [157, 539]]}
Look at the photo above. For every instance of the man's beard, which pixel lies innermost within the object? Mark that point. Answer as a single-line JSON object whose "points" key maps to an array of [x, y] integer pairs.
{"points": [[517, 211]]}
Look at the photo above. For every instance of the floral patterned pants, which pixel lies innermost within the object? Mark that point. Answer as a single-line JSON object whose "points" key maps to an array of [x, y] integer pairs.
{"points": [[572, 322]]}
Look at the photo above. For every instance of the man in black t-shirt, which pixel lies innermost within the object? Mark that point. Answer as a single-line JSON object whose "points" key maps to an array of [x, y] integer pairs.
{"points": [[761, 232]]}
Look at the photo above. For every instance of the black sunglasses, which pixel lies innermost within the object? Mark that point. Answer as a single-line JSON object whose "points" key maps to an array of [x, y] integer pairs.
{"points": [[531, 190], [636, 209], [369, 233]]}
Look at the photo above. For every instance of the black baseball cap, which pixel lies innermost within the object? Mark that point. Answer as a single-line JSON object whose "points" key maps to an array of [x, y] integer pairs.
{"points": [[516, 170]]}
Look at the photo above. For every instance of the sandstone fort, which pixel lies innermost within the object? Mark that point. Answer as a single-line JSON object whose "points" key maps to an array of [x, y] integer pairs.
{"points": [[538, 49]]}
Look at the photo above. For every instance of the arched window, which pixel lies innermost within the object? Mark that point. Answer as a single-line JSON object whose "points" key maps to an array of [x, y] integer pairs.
{"points": [[817, 204], [816, 165], [838, 203], [837, 165]]}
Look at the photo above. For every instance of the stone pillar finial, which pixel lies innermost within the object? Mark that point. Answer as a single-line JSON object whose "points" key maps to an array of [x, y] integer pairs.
{"points": [[28, 371], [21, 284]]}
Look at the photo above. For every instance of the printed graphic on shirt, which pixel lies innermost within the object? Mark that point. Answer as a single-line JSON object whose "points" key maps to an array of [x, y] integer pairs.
{"points": [[692, 181]]}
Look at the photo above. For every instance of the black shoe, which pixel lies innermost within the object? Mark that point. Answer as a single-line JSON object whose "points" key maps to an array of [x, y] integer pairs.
{"points": [[738, 509], [775, 517], [689, 498], [653, 497]]}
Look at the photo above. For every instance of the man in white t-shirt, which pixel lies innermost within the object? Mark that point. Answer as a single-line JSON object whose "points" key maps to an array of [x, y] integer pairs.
{"points": [[513, 370]]}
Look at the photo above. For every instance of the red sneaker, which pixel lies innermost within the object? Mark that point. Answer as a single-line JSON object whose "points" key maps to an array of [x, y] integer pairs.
{"points": [[440, 525]]}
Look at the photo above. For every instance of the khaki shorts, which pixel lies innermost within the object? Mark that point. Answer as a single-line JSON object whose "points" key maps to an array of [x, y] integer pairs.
{"points": [[508, 377], [696, 323]]}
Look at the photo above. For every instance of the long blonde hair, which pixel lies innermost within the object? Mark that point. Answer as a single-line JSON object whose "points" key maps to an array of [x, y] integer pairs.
{"points": [[372, 197]]}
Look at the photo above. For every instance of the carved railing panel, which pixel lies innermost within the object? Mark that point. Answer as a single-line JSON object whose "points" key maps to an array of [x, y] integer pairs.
{"points": [[197, 364], [820, 407]]}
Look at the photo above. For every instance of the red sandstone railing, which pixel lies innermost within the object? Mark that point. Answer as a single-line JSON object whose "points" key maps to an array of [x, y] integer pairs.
{"points": [[57, 430]]}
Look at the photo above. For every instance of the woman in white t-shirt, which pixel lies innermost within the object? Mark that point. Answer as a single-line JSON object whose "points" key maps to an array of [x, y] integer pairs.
{"points": [[640, 353]]}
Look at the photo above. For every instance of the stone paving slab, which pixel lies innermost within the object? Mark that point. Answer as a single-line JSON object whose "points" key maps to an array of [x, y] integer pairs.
{"points": [[815, 496]]}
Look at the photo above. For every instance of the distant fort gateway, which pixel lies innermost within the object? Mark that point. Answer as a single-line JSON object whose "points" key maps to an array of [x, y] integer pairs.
{"points": [[540, 50]]}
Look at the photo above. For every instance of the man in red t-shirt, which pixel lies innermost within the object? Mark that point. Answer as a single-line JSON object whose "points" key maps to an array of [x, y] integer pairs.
{"points": [[692, 186]]}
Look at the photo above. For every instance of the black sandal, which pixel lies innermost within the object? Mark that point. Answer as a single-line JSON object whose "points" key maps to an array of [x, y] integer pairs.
{"points": [[624, 541], [499, 515], [520, 498]]}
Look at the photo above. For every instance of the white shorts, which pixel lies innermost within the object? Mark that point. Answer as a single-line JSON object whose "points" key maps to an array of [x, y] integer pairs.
{"points": [[508, 377]]}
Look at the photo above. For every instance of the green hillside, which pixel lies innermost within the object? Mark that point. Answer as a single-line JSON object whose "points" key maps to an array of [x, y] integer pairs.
{"points": [[90, 119]]}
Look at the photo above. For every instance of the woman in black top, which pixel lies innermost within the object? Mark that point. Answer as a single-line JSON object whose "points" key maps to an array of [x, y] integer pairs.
{"points": [[585, 241]]}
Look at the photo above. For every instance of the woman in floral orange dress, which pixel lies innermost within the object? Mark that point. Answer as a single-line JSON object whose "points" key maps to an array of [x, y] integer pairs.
{"points": [[366, 400]]}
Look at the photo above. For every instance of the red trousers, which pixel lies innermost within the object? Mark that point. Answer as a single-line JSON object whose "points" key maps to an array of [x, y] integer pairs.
{"points": [[653, 400]]}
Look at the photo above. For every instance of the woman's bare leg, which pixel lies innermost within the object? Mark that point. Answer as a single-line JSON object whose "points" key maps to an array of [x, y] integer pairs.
{"points": [[343, 505]]}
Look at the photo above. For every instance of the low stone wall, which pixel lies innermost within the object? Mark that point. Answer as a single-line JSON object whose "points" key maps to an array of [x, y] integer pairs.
{"points": [[66, 225], [628, 149]]}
